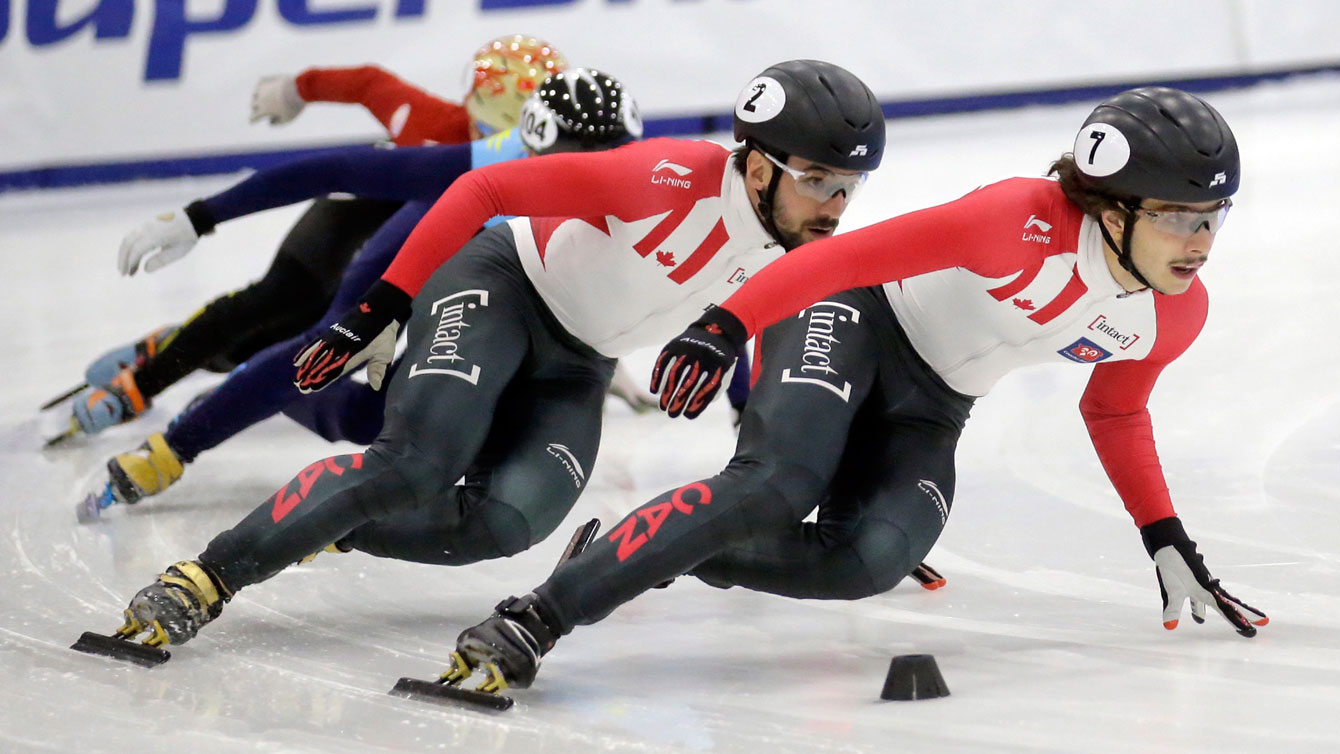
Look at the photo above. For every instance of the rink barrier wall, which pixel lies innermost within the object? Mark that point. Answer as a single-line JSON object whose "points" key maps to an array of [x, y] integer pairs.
{"points": [[66, 176]]}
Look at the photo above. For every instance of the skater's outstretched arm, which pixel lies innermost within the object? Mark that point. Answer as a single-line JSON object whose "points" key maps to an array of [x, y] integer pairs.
{"points": [[413, 173], [594, 185], [410, 115]]}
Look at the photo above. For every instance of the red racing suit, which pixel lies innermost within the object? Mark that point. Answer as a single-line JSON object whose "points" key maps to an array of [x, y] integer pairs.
{"points": [[1010, 275]]}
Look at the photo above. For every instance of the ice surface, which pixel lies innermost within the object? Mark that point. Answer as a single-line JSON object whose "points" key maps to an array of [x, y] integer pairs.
{"points": [[1048, 633]]}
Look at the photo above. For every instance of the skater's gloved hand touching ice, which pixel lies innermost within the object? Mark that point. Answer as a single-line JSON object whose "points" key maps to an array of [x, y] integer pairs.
{"points": [[366, 333], [1183, 576], [164, 239], [276, 99], [694, 363]]}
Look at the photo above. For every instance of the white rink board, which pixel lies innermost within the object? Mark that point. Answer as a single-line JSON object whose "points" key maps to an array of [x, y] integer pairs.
{"points": [[152, 87], [1048, 633]]}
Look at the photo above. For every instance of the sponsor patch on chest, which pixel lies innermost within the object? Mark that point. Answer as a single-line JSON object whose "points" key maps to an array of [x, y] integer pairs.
{"points": [[1085, 351]]}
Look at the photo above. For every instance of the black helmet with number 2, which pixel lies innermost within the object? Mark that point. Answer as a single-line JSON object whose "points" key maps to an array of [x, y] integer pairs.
{"points": [[814, 110]]}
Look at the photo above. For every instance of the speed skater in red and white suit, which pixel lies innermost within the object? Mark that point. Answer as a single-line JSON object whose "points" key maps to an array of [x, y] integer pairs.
{"points": [[860, 398]]}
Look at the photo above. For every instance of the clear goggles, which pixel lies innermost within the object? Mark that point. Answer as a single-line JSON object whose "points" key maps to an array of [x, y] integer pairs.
{"points": [[1185, 222], [821, 184]]}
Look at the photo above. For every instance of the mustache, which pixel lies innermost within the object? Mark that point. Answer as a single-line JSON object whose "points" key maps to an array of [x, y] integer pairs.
{"points": [[823, 223]]}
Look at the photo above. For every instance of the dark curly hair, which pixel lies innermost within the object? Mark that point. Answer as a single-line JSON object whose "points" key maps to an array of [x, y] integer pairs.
{"points": [[1077, 190]]}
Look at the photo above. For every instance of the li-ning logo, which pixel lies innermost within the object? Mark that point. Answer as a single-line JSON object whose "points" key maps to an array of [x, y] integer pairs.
{"points": [[1101, 325], [678, 170], [1040, 224], [445, 348], [933, 492], [819, 342], [859, 151], [1219, 178], [569, 461]]}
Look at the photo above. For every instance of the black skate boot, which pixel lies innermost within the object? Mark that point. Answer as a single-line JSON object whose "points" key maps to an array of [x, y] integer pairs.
{"points": [[508, 645], [173, 609], [170, 610]]}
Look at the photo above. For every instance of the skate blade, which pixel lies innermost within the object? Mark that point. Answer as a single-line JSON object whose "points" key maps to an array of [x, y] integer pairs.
{"points": [[929, 578], [91, 507], [581, 539], [119, 648], [65, 396], [72, 432], [438, 692]]}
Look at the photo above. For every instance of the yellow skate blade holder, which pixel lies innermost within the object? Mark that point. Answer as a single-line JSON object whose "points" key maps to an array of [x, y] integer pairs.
{"points": [[495, 683], [488, 695], [458, 672]]}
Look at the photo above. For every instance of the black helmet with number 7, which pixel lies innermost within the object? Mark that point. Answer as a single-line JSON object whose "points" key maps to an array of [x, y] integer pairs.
{"points": [[579, 110], [1158, 143], [814, 110]]}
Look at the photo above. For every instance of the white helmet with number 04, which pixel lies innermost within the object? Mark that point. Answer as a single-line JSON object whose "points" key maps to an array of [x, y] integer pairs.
{"points": [[579, 110]]}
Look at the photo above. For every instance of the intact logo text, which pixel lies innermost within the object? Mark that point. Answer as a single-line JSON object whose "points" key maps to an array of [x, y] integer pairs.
{"points": [[1102, 325], [820, 338], [444, 352]]}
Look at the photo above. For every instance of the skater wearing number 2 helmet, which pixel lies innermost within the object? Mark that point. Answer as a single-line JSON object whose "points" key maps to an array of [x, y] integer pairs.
{"points": [[514, 333]]}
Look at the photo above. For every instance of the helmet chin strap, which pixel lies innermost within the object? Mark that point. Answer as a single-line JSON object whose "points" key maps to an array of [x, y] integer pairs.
{"points": [[1124, 248], [765, 208]]}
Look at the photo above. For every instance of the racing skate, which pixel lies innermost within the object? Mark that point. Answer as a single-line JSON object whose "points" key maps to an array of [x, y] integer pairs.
{"points": [[449, 689], [171, 611]]}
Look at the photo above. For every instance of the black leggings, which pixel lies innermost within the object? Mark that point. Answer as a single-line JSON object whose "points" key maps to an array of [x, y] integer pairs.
{"points": [[294, 292], [846, 417], [492, 389]]}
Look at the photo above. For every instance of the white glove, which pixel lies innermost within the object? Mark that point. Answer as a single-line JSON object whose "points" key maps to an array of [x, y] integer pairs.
{"points": [[627, 389], [167, 237], [1183, 577], [276, 98]]}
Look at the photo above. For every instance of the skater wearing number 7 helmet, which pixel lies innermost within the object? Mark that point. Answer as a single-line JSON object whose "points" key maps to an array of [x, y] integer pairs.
{"points": [[877, 344]]}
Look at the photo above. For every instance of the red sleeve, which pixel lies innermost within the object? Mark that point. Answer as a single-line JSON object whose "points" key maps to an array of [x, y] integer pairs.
{"points": [[1114, 408], [410, 115], [979, 232], [594, 184]]}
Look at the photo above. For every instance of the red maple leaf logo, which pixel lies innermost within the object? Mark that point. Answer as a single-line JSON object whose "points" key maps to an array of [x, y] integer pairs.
{"points": [[363, 307], [665, 258], [1024, 303], [713, 328]]}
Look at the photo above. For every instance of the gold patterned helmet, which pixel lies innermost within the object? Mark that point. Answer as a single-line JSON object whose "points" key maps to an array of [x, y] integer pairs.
{"points": [[503, 74]]}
